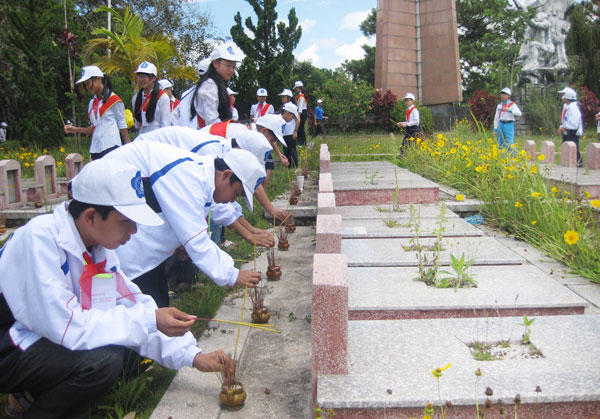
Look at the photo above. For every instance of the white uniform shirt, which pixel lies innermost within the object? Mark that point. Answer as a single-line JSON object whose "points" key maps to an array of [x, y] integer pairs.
{"points": [[40, 267], [184, 110], [509, 115], [162, 114], [2, 134], [106, 127], [234, 114], [174, 112], [255, 113], [233, 129], [183, 184], [207, 102], [572, 118], [413, 118], [301, 103], [289, 127]]}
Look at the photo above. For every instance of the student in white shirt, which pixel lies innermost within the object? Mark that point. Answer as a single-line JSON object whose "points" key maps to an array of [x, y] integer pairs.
{"points": [[289, 112], [504, 119], [261, 108], [182, 186], [302, 103], [234, 113], [411, 125], [571, 120], [209, 101], [151, 105], [167, 86], [69, 315], [106, 112]]}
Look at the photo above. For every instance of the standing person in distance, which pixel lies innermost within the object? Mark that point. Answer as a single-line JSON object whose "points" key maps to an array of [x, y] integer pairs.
{"points": [[504, 119], [302, 104], [261, 108], [319, 118], [167, 86], [571, 120], [151, 106], [106, 112], [412, 122], [211, 101], [3, 126], [290, 131], [234, 113]]}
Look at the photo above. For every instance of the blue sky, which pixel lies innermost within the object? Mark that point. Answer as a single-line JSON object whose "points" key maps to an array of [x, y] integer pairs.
{"points": [[330, 32]]}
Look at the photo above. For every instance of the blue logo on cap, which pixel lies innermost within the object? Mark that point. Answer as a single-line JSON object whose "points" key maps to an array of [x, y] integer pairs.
{"points": [[230, 50], [82, 73], [258, 182], [267, 154], [136, 184], [144, 64]]}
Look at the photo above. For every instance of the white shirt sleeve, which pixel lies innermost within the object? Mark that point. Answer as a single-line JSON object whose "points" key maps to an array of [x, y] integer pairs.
{"points": [[119, 111], [207, 102], [413, 119], [163, 111], [223, 214]]}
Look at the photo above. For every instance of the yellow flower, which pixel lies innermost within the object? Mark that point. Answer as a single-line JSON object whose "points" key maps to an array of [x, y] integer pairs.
{"points": [[452, 150], [26, 164], [533, 222], [571, 237], [595, 203], [460, 197], [554, 189], [518, 204], [523, 153], [438, 371], [470, 163], [479, 168], [535, 194], [440, 136], [534, 169], [587, 194], [448, 172], [59, 163], [541, 157], [441, 143], [35, 156], [62, 149]]}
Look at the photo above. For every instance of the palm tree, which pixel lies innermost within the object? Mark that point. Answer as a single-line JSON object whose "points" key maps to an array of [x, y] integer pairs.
{"points": [[129, 48]]}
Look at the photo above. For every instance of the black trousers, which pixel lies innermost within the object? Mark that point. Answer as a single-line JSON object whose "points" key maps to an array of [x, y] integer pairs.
{"points": [[96, 156], [290, 151], [301, 133], [63, 383], [571, 135], [411, 132], [155, 284]]}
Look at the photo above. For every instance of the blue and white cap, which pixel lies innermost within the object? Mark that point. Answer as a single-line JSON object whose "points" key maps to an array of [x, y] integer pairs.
{"points": [[248, 169], [88, 72], [255, 143], [568, 93], [286, 92], [114, 183], [261, 92], [226, 52], [203, 66], [290, 107], [165, 84], [146, 68], [275, 123]]}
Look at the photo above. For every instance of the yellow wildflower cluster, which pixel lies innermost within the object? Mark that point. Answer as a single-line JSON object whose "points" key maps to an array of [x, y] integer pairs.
{"points": [[26, 158]]}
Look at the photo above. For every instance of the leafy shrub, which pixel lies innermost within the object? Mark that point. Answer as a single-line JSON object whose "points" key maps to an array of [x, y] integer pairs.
{"points": [[543, 112], [483, 106], [398, 114], [382, 106], [588, 103], [344, 100]]}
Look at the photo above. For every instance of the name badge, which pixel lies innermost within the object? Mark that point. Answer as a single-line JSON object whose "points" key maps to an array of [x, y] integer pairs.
{"points": [[104, 291]]}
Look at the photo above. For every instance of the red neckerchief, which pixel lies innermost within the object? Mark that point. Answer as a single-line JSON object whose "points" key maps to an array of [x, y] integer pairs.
{"points": [[259, 108], [409, 111], [96, 106], [509, 105], [85, 281], [564, 112]]}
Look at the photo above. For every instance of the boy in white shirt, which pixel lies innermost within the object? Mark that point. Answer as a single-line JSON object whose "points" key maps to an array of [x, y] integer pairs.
{"points": [[571, 120], [412, 123], [261, 108], [69, 314], [504, 119]]}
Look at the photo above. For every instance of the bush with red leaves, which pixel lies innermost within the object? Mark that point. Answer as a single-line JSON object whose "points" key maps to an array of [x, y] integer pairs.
{"points": [[382, 105], [483, 106], [589, 105]]}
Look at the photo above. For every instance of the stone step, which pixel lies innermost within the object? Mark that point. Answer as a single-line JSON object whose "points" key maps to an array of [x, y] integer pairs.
{"points": [[357, 212], [393, 293], [574, 180], [390, 252], [390, 364], [391, 227]]}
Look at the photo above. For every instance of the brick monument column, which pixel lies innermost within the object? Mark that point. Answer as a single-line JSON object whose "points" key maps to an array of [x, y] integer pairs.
{"points": [[417, 50]]}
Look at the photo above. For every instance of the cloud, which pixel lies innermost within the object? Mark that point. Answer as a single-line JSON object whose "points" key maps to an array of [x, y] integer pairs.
{"points": [[307, 24], [310, 54], [354, 51], [354, 19]]}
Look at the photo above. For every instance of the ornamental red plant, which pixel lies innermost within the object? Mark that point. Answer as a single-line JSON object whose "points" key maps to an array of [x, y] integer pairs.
{"points": [[483, 106], [589, 105], [382, 106]]}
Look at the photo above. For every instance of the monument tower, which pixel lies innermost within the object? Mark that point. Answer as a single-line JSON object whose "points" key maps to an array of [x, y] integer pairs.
{"points": [[417, 50]]}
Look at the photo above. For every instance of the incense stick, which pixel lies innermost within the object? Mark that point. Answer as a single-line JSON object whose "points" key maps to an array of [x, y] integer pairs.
{"points": [[61, 117], [237, 338], [266, 327]]}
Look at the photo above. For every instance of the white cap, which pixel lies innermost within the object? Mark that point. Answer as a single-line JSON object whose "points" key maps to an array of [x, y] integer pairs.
{"points": [[261, 92], [320, 101], [409, 96], [88, 72], [255, 143], [231, 92], [298, 83], [568, 93], [3, 124], [146, 68], [248, 169], [226, 52], [507, 91], [203, 65], [286, 92], [275, 123], [114, 183], [165, 84], [290, 107]]}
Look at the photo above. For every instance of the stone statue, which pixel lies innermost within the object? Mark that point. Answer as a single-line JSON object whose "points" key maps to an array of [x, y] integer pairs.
{"points": [[543, 53]]}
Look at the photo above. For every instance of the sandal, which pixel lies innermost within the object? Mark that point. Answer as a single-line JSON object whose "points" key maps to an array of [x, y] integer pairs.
{"points": [[17, 404]]}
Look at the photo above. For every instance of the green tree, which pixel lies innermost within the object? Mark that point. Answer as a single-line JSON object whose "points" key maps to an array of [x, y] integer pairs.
{"points": [[364, 69], [270, 47], [33, 74], [345, 101], [582, 45], [311, 76], [129, 47], [489, 35]]}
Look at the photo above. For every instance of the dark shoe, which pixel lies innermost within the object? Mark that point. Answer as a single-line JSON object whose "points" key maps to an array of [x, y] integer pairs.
{"points": [[17, 404]]}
